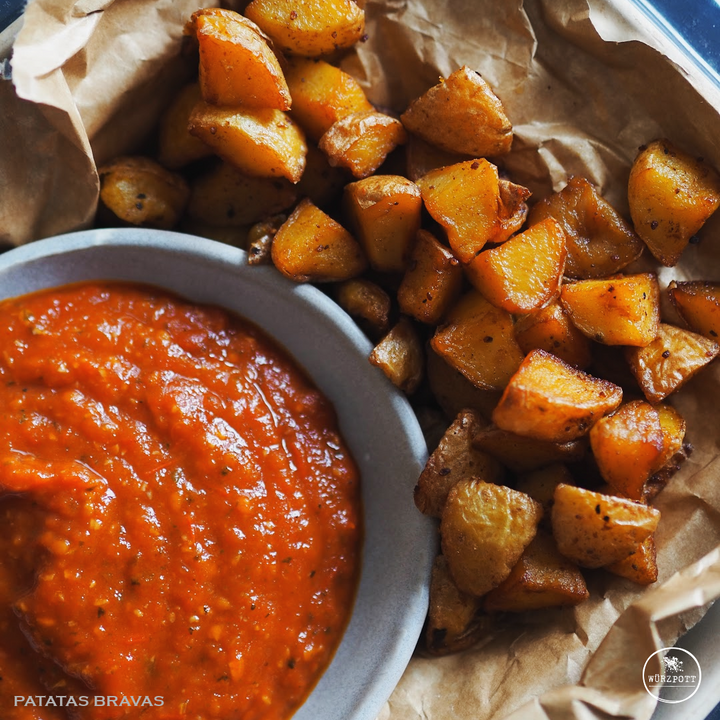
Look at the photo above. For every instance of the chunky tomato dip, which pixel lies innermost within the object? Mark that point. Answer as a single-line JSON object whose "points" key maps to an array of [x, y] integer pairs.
{"points": [[179, 517]]}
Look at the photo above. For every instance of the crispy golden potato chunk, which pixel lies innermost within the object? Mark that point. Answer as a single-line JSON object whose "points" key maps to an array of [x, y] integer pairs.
{"points": [[264, 142], [432, 282], [309, 27], [454, 459], [550, 329], [593, 529], [525, 272], [226, 196], [670, 360], [454, 622], [522, 454], [623, 310], [360, 142], [640, 567], [176, 146], [384, 213], [311, 246], [477, 339], [671, 195], [698, 304], [139, 191], [322, 94], [461, 114], [542, 578], [550, 400], [484, 530], [599, 241], [400, 356], [627, 447], [453, 391], [465, 200], [237, 66], [367, 303]]}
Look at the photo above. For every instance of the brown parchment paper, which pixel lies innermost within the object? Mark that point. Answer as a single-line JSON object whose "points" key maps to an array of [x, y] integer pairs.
{"points": [[584, 84]]}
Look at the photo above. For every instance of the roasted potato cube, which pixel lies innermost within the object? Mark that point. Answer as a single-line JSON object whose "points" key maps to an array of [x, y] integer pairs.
{"points": [[640, 567], [465, 200], [484, 530], [525, 272], [309, 27], [477, 339], [453, 391], [176, 146], [627, 446], [550, 329], [671, 195], [599, 241], [672, 425], [540, 485], [422, 157], [139, 191], [454, 459], [542, 578], [237, 66], [623, 310], [670, 360], [367, 302], [593, 529], [461, 114], [384, 212], [226, 196], [400, 356], [264, 142], [360, 142], [322, 94], [698, 304], [522, 454], [454, 622], [432, 282], [311, 246], [550, 400]]}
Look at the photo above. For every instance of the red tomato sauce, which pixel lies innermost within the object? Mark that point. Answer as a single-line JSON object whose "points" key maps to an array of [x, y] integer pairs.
{"points": [[180, 521]]}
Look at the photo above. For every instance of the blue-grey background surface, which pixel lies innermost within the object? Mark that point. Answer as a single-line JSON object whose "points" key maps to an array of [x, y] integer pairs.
{"points": [[695, 23], [10, 10]]}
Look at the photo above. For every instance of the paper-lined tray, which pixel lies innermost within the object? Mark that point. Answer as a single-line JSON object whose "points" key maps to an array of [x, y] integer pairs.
{"points": [[584, 87]]}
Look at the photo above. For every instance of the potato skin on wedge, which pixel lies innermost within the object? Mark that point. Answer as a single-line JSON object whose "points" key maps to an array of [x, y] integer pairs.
{"points": [[454, 458], [671, 195], [484, 530], [311, 246], [461, 114], [593, 529], [264, 142], [541, 578], [550, 400]]}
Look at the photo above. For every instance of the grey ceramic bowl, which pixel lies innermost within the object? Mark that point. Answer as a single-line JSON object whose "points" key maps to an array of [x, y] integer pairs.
{"points": [[375, 419]]}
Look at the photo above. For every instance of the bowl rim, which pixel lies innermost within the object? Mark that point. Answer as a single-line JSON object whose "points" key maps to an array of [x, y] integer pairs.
{"points": [[361, 693]]}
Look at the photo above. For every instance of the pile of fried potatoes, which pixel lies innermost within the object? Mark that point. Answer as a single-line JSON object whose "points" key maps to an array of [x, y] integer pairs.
{"points": [[538, 362]]}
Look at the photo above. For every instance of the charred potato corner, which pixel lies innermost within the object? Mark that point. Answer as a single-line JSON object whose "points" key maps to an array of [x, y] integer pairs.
{"points": [[494, 311]]}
